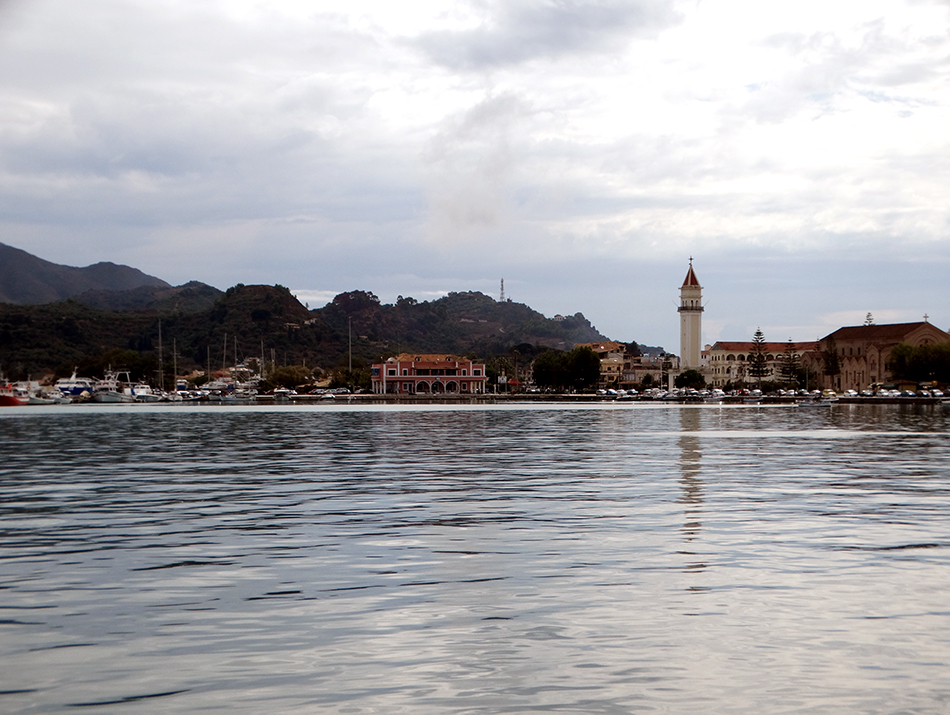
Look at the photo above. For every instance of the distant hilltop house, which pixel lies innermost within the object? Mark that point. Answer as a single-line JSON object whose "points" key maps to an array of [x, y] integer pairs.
{"points": [[864, 350], [441, 374]]}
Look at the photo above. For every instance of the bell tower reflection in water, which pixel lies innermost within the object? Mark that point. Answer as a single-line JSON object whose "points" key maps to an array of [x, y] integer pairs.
{"points": [[690, 481]]}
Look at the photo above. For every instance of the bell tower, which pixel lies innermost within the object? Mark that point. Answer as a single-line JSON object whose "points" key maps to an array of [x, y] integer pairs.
{"points": [[691, 320]]}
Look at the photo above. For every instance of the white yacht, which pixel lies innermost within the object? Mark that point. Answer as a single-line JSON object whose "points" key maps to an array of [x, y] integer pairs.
{"points": [[75, 386]]}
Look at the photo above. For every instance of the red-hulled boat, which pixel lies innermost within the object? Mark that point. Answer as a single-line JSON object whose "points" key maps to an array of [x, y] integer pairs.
{"points": [[11, 396]]}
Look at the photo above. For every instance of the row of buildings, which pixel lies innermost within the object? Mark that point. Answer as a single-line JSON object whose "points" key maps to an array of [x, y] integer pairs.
{"points": [[863, 352]]}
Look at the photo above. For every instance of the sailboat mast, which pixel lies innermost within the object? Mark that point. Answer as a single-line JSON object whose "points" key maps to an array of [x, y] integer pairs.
{"points": [[161, 365]]}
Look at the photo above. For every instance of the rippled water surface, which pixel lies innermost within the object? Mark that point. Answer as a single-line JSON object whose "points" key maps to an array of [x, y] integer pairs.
{"points": [[516, 559]]}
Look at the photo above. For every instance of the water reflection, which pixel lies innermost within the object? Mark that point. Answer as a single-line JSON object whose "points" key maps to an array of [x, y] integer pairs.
{"points": [[595, 560], [691, 484]]}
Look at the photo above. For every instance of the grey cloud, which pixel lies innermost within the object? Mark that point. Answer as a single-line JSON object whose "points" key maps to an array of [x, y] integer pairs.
{"points": [[522, 31], [471, 162], [126, 113]]}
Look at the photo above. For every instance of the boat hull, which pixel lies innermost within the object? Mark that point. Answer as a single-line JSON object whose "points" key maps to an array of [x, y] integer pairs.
{"points": [[111, 397]]}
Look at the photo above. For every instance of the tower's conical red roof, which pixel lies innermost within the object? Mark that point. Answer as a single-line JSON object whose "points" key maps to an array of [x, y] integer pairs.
{"points": [[691, 279]]}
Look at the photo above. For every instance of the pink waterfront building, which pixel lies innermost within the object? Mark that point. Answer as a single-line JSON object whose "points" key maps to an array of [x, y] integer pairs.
{"points": [[409, 374]]}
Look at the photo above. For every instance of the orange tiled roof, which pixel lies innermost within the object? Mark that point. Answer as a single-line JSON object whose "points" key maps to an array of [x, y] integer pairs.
{"points": [[883, 333], [429, 357], [744, 347]]}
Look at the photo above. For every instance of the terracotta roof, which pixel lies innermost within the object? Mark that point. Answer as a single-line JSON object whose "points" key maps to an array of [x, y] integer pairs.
{"points": [[883, 333], [744, 347], [691, 279], [429, 357]]}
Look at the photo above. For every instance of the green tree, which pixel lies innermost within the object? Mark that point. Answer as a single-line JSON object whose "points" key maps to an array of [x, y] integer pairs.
{"points": [[584, 367], [690, 379], [831, 361], [499, 371], [550, 370], [359, 378], [922, 363], [758, 360], [791, 368], [288, 376], [578, 369]]}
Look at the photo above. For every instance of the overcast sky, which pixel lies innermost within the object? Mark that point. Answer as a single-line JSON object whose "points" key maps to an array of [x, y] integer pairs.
{"points": [[582, 151]]}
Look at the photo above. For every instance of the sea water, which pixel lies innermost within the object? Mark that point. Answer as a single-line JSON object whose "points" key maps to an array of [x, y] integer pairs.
{"points": [[475, 559]]}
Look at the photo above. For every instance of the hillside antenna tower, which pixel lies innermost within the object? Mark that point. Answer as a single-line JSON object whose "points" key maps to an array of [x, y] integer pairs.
{"points": [[502, 298]]}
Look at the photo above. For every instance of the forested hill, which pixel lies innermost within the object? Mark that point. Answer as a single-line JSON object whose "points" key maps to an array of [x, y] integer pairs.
{"points": [[247, 321], [462, 323]]}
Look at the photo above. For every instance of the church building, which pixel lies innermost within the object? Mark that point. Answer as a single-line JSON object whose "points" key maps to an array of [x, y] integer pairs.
{"points": [[863, 351]]}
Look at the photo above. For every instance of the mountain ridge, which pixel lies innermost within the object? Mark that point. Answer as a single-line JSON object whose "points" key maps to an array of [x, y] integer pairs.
{"points": [[206, 326], [26, 279]]}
